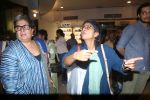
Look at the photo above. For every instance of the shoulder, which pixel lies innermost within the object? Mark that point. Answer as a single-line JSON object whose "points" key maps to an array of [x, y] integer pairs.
{"points": [[13, 44], [72, 50], [130, 28], [40, 40], [108, 50], [12, 48], [62, 39], [106, 47]]}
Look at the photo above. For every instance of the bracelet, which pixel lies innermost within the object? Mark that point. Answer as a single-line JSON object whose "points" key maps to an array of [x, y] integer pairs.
{"points": [[123, 65]]}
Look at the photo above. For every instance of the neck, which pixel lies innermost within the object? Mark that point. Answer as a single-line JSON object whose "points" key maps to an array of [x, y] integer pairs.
{"points": [[146, 24], [90, 44], [27, 43]]}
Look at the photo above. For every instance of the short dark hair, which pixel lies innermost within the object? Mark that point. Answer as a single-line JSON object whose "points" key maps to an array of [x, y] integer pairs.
{"points": [[94, 24], [44, 33], [24, 17], [147, 4], [72, 35], [60, 32]]}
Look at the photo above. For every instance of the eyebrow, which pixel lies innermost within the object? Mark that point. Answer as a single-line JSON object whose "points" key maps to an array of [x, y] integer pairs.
{"points": [[22, 25]]}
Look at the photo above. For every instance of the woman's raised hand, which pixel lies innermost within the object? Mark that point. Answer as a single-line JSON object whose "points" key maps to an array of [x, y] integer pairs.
{"points": [[83, 55]]}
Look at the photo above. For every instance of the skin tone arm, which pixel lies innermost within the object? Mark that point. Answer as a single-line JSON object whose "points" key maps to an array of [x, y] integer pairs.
{"points": [[121, 51]]}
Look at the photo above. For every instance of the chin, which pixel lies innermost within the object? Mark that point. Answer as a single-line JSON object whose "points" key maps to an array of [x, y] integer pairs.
{"points": [[145, 21]]}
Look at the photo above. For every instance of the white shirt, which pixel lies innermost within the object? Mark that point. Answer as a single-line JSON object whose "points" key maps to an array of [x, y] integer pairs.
{"points": [[61, 45]]}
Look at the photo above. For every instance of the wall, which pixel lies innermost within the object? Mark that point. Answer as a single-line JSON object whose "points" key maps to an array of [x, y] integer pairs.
{"points": [[54, 19], [8, 11]]}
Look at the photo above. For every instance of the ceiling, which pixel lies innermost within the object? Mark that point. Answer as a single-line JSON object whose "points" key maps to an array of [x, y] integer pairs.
{"points": [[43, 6], [46, 5], [88, 4]]}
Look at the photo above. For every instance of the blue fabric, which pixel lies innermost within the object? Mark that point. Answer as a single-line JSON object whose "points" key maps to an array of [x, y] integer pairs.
{"points": [[21, 72], [114, 62], [136, 41], [42, 44]]}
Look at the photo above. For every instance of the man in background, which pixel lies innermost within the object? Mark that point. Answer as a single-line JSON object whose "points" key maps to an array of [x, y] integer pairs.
{"points": [[135, 42], [71, 42]]}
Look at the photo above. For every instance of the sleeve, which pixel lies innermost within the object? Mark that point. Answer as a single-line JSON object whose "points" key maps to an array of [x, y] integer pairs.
{"points": [[114, 62], [71, 51], [43, 45], [9, 70], [126, 35]]}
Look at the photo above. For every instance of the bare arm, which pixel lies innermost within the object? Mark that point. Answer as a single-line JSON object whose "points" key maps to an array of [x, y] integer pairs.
{"points": [[121, 51], [69, 59]]}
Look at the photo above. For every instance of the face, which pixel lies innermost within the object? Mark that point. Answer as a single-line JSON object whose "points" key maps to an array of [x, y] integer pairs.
{"points": [[24, 31], [88, 32], [40, 36], [145, 15]]}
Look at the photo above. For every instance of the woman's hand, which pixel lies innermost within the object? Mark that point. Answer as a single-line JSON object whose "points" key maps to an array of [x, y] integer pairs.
{"points": [[130, 64], [83, 55]]}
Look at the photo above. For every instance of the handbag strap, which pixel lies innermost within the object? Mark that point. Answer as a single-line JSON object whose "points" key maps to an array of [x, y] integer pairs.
{"points": [[106, 65]]}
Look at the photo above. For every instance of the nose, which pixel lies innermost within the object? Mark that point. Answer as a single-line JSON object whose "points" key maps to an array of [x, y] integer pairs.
{"points": [[84, 28]]}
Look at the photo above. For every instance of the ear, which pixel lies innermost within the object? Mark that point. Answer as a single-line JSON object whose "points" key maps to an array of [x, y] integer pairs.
{"points": [[96, 34], [138, 16], [33, 31]]}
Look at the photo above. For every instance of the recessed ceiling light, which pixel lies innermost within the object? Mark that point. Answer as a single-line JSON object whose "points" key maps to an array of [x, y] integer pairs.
{"points": [[34, 15], [61, 7], [128, 1]]}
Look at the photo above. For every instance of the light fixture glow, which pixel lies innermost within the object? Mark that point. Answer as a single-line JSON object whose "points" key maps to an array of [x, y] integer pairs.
{"points": [[35, 11], [128, 1], [61, 7], [34, 15]]}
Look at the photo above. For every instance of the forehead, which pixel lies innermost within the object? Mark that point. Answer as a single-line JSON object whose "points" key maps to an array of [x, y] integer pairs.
{"points": [[22, 22], [146, 8], [87, 24]]}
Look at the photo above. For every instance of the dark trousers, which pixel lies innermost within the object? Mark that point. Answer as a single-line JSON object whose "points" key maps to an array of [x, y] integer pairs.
{"points": [[63, 70]]}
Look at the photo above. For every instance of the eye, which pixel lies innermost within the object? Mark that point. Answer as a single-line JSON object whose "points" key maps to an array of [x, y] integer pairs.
{"points": [[26, 26], [87, 27], [17, 28], [145, 12]]}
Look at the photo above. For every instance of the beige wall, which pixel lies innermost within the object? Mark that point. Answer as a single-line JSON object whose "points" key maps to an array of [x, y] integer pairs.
{"points": [[54, 19]]}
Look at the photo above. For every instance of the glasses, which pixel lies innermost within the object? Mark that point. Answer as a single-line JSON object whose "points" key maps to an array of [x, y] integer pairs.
{"points": [[87, 27], [24, 27]]}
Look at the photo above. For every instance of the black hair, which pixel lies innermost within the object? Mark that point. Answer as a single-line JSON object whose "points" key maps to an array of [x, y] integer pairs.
{"points": [[24, 17], [72, 35], [94, 24], [147, 4], [44, 33], [60, 32]]}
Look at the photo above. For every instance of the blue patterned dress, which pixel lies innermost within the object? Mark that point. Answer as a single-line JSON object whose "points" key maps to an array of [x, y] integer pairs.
{"points": [[21, 72]]}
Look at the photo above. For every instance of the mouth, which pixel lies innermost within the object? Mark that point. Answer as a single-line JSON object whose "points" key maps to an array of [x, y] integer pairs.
{"points": [[22, 35]]}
